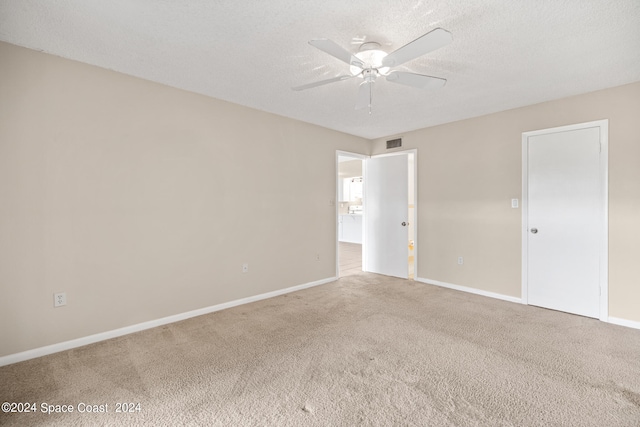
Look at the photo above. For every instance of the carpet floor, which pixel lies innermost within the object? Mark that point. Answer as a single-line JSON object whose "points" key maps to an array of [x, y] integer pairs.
{"points": [[364, 350]]}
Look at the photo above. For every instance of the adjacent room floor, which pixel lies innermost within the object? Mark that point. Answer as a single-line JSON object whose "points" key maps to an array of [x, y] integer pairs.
{"points": [[350, 258]]}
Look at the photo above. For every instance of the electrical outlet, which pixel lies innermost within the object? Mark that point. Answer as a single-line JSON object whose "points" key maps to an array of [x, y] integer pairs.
{"points": [[245, 267], [460, 260], [59, 299], [317, 257]]}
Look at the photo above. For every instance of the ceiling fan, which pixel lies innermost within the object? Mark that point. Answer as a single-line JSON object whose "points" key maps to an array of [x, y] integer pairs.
{"points": [[370, 63]]}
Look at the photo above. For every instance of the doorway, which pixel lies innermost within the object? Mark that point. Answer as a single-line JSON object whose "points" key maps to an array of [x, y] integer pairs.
{"points": [[367, 216], [564, 240], [350, 182]]}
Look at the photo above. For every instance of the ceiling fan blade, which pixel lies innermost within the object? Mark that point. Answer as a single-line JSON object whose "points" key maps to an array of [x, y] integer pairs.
{"points": [[415, 80], [364, 95], [336, 51], [322, 82], [429, 42]]}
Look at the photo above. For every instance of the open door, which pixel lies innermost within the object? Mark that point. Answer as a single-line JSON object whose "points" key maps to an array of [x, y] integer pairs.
{"points": [[387, 215]]}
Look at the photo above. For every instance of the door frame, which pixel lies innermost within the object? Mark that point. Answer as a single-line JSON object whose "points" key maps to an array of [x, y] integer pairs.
{"points": [[413, 151], [603, 229], [355, 156]]}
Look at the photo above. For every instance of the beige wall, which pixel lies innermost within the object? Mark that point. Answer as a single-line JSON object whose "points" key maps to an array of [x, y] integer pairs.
{"points": [[471, 169], [141, 201]]}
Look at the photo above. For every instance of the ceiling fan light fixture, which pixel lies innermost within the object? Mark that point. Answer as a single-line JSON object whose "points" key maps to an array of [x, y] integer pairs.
{"points": [[369, 76], [371, 58]]}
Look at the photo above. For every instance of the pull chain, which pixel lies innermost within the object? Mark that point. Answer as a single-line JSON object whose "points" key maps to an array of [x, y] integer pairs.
{"points": [[370, 96]]}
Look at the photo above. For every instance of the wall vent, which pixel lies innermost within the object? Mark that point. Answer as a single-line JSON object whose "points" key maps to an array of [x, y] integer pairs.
{"points": [[394, 143]]}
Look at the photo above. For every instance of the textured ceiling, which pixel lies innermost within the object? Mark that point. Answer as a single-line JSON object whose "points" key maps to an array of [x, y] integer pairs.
{"points": [[504, 53]]}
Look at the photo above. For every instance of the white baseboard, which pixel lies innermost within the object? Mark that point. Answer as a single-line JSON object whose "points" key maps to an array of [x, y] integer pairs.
{"points": [[470, 290], [624, 322], [79, 342], [614, 320]]}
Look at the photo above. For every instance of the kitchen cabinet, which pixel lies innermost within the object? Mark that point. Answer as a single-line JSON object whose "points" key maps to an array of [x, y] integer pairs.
{"points": [[350, 228]]}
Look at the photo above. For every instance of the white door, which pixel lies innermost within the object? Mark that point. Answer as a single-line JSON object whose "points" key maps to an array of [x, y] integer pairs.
{"points": [[386, 216], [565, 212]]}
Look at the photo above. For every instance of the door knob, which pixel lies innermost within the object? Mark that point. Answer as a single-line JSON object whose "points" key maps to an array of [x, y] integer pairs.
{"points": [[404, 224], [534, 230]]}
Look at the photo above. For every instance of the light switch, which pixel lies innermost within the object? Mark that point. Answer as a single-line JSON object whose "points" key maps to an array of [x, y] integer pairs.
{"points": [[514, 203]]}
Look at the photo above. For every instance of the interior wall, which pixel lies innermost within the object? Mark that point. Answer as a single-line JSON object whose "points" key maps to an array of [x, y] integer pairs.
{"points": [[141, 201], [471, 169]]}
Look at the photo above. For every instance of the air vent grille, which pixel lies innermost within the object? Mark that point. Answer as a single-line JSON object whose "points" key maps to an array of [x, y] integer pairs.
{"points": [[394, 143]]}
